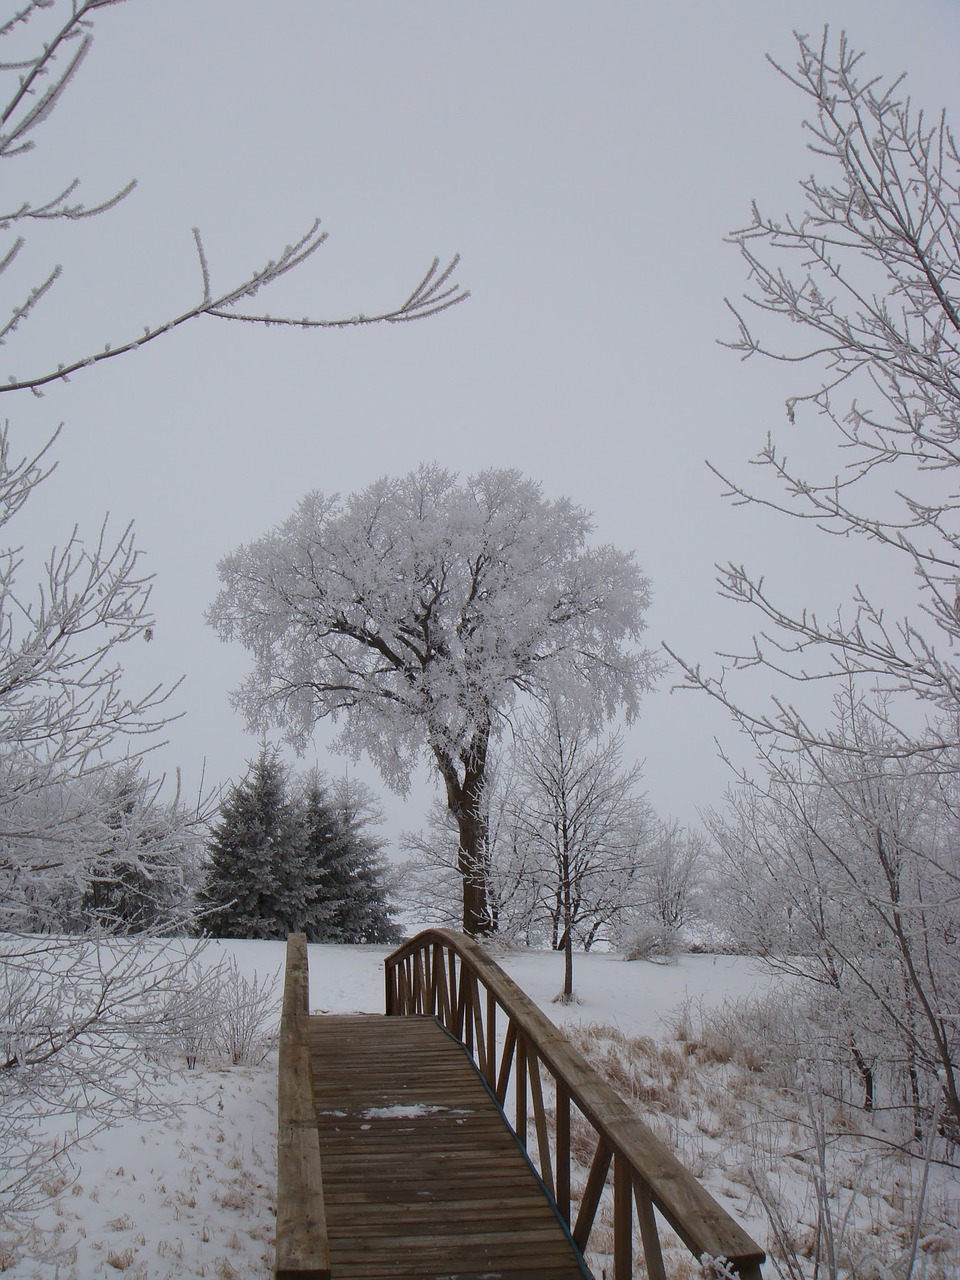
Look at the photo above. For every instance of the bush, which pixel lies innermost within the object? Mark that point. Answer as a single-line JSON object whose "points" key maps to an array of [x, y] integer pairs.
{"points": [[219, 1016], [653, 942]]}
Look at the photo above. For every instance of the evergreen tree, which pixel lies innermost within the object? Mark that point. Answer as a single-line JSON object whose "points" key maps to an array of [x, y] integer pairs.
{"points": [[344, 866], [282, 862], [256, 884]]}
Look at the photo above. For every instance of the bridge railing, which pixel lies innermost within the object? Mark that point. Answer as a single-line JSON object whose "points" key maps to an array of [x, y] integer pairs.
{"points": [[302, 1249], [447, 975]]}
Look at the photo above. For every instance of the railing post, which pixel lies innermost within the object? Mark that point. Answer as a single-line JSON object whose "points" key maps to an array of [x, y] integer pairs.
{"points": [[563, 1152], [652, 1254], [590, 1200], [622, 1219], [520, 1090], [490, 1071]]}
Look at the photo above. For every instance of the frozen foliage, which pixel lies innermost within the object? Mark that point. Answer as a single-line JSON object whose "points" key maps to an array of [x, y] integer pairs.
{"points": [[576, 855], [128, 860], [867, 277], [841, 867], [417, 611], [842, 859], [85, 842], [79, 1018]]}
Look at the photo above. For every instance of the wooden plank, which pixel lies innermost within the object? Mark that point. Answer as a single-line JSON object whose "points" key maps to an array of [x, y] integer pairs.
{"points": [[622, 1219], [422, 1175]]}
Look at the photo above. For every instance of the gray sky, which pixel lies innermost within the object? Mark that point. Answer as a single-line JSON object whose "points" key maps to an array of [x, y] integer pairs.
{"points": [[586, 160]]}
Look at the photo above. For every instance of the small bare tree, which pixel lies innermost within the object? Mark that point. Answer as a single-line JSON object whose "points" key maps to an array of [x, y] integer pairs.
{"points": [[677, 867], [841, 868], [581, 825]]}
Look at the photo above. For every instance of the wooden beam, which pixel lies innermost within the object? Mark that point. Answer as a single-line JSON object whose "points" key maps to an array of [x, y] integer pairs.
{"points": [[302, 1249]]}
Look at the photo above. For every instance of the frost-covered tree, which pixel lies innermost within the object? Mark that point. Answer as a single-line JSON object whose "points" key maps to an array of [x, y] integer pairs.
{"points": [[66, 724], [842, 853], [841, 868], [125, 860], [416, 611], [580, 826], [64, 716], [677, 866], [72, 1011], [256, 883], [860, 288], [288, 856], [429, 884], [569, 839]]}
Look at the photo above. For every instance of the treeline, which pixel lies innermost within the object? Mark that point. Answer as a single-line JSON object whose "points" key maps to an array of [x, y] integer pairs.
{"points": [[284, 854]]}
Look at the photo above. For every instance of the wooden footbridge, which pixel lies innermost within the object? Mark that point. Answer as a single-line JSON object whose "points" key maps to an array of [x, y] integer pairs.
{"points": [[396, 1157]]}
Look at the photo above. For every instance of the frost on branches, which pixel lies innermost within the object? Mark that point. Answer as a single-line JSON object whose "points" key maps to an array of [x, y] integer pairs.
{"points": [[46, 42], [569, 839], [416, 612], [842, 853], [861, 289], [86, 848]]}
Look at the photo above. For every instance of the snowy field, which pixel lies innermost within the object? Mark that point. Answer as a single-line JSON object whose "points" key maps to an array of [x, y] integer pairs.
{"points": [[193, 1196]]}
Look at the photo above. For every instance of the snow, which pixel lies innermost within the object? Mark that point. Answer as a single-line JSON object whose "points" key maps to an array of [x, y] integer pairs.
{"points": [[194, 1197]]}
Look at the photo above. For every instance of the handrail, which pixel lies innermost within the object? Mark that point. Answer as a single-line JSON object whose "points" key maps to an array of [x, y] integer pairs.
{"points": [[302, 1249], [423, 976]]}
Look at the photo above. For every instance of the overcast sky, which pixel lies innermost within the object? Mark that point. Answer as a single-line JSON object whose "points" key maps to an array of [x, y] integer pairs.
{"points": [[585, 159]]}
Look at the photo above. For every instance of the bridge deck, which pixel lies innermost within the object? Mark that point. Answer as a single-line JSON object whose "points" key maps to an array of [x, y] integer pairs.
{"points": [[421, 1176]]}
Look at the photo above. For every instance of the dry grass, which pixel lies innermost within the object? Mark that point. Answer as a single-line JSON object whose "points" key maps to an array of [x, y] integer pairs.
{"points": [[121, 1261], [724, 1094]]}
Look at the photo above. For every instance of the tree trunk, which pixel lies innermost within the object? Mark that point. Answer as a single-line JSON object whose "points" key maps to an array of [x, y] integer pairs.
{"points": [[567, 925], [866, 1076], [466, 802]]}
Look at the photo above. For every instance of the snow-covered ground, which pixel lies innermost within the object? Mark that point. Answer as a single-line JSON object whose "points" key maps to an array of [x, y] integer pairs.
{"points": [[194, 1196]]}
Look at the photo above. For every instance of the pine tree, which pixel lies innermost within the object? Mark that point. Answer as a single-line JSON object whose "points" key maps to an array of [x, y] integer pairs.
{"points": [[344, 866], [255, 885]]}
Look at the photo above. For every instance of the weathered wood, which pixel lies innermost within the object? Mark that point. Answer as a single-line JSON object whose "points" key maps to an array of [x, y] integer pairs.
{"points": [[540, 1120], [652, 1253], [422, 1176], [702, 1224], [562, 1193], [506, 1063], [622, 1218], [590, 1200], [301, 1238]]}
